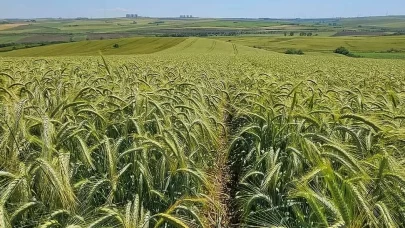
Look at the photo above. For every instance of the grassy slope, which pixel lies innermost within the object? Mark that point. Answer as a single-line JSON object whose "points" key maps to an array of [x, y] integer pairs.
{"points": [[10, 38], [322, 44], [380, 22], [127, 46], [203, 46], [376, 55], [367, 47]]}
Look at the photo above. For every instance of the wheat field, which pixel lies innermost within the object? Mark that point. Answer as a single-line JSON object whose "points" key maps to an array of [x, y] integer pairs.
{"points": [[231, 136]]}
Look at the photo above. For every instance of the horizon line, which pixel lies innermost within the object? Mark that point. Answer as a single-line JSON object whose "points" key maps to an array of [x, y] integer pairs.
{"points": [[178, 17]]}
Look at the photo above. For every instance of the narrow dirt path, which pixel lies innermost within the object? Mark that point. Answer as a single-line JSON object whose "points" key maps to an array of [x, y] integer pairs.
{"points": [[231, 176], [219, 177], [224, 180]]}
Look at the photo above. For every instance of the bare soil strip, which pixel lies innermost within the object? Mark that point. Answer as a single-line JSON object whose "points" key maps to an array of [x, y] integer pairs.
{"points": [[8, 26]]}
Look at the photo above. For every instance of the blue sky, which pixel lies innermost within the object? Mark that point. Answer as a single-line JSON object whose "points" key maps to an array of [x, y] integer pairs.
{"points": [[200, 8]]}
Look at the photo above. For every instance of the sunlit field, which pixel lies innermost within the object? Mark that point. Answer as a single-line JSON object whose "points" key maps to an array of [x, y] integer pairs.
{"points": [[201, 133]]}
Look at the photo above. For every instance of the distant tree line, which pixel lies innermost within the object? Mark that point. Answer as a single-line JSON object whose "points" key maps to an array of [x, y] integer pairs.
{"points": [[344, 51], [305, 34], [202, 33], [14, 46], [198, 34], [397, 34], [301, 33], [294, 52]]}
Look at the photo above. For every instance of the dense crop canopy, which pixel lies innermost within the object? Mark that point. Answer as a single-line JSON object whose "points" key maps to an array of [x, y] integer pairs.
{"points": [[185, 140]]}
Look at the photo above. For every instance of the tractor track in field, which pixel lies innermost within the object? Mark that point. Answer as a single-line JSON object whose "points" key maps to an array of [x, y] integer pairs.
{"points": [[235, 49], [189, 44], [214, 43]]}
